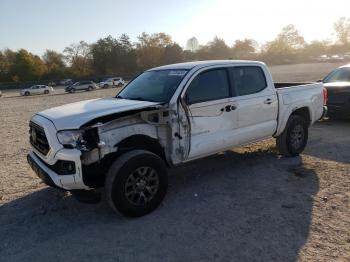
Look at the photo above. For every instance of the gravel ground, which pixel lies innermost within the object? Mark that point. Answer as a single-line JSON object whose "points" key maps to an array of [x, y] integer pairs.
{"points": [[248, 204]]}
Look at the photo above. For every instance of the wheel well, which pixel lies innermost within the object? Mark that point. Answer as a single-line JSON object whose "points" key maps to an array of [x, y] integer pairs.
{"points": [[304, 113], [141, 142], [94, 174]]}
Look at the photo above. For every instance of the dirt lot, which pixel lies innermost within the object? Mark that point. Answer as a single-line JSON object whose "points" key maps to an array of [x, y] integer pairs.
{"points": [[248, 204]]}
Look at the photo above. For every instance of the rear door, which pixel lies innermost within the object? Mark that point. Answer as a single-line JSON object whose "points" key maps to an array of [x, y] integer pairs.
{"points": [[83, 85], [35, 90], [212, 116], [257, 103], [42, 89]]}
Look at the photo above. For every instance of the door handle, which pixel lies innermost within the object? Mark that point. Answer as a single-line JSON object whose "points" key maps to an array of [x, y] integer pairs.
{"points": [[268, 101], [228, 108]]}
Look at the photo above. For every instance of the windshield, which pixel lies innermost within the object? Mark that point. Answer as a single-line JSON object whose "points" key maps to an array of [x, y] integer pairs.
{"points": [[338, 75], [153, 86]]}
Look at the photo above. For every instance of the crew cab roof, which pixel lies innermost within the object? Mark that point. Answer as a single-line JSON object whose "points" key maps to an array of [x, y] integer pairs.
{"points": [[201, 64]]}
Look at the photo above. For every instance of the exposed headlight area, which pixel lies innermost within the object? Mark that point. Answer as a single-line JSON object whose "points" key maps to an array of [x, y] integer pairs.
{"points": [[72, 139], [84, 140]]}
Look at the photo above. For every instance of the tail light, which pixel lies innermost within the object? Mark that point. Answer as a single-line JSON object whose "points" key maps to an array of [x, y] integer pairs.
{"points": [[325, 96]]}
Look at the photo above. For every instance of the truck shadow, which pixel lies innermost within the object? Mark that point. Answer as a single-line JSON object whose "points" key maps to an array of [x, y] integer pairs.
{"points": [[229, 207]]}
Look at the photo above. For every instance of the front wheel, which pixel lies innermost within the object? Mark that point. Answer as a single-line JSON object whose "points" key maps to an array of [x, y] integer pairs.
{"points": [[46, 92], [294, 138], [90, 88], [136, 183]]}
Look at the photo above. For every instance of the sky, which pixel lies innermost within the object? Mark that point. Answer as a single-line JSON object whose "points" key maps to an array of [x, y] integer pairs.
{"points": [[37, 25]]}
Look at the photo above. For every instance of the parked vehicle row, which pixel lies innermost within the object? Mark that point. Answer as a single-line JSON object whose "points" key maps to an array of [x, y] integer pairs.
{"points": [[165, 117], [333, 58]]}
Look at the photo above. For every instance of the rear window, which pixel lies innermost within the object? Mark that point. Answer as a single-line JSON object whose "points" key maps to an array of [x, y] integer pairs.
{"points": [[248, 79]]}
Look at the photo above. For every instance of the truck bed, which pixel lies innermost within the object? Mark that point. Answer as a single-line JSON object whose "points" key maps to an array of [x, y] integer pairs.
{"points": [[292, 96], [289, 84]]}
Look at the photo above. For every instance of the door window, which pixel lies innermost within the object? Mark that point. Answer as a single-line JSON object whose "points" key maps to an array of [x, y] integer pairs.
{"points": [[248, 80], [208, 86]]}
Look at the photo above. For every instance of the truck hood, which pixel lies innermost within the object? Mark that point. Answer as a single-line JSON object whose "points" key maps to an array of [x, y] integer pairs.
{"points": [[73, 116]]}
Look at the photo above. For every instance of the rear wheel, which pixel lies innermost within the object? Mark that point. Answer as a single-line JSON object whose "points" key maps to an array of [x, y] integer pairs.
{"points": [[105, 86], [46, 92], [72, 90], [294, 138], [136, 183], [90, 88], [26, 93]]}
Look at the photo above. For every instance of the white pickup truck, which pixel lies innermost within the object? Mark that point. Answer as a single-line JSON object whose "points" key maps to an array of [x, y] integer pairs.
{"points": [[165, 117]]}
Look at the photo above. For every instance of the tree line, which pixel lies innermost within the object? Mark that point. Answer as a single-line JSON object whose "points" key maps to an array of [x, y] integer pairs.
{"points": [[120, 56]]}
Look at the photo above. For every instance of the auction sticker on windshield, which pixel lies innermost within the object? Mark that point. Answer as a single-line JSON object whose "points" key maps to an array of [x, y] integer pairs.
{"points": [[177, 73]]}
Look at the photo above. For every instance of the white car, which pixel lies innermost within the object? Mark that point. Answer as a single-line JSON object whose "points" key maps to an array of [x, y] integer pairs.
{"points": [[165, 117], [112, 82], [36, 90]]}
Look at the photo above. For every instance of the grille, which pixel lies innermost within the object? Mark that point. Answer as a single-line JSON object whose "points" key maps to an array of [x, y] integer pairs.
{"points": [[38, 138]]}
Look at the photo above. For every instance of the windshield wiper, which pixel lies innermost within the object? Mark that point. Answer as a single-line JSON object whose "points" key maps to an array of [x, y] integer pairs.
{"points": [[120, 97]]}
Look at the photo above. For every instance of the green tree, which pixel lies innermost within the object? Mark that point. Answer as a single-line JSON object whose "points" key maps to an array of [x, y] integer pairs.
{"points": [[150, 49], [342, 30], [113, 56], [317, 48], [218, 49], [79, 57], [244, 49], [173, 54], [26, 66], [56, 67], [286, 48]]}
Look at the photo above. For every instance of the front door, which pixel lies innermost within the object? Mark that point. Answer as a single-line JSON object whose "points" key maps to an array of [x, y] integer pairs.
{"points": [[212, 113]]}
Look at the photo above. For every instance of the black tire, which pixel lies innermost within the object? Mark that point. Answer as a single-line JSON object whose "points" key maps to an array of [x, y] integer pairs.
{"points": [[26, 93], [72, 90], [46, 92], [294, 138], [105, 86], [120, 192], [90, 88]]}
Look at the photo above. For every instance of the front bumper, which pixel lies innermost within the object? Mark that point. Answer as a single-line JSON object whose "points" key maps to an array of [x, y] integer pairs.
{"points": [[51, 178], [43, 165]]}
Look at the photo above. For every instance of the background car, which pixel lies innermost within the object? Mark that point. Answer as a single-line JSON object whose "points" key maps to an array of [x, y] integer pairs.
{"points": [[81, 85], [66, 82], [111, 82], [337, 84], [36, 90]]}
